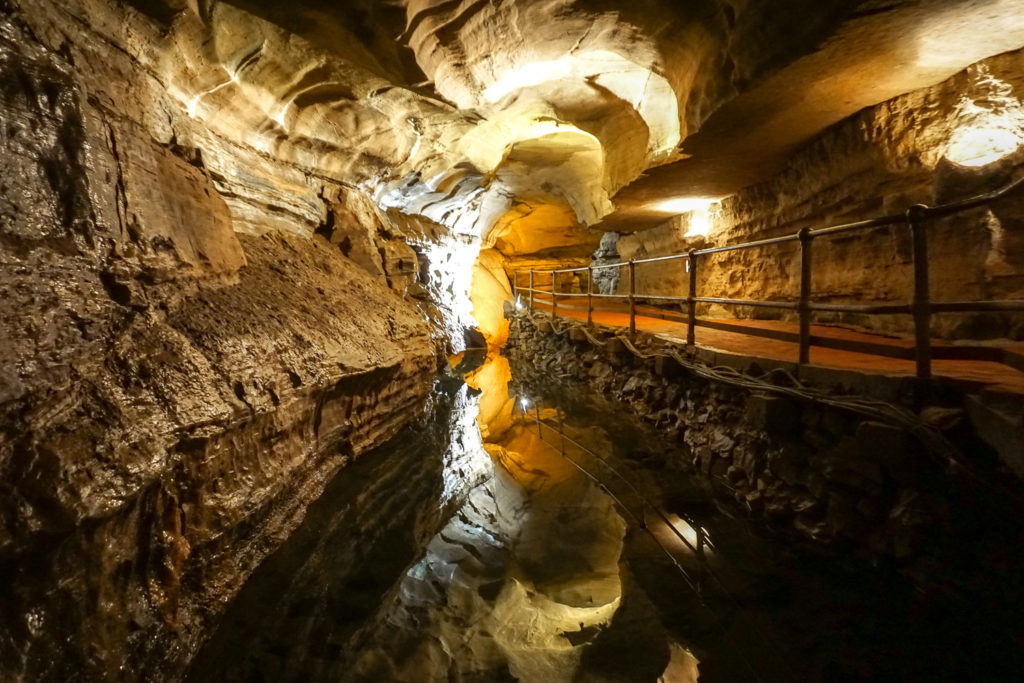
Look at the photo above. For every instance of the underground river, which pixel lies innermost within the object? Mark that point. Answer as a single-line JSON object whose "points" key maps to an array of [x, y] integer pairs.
{"points": [[481, 546]]}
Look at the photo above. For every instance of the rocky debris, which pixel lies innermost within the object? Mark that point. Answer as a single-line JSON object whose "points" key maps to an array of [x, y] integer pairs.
{"points": [[828, 475]]}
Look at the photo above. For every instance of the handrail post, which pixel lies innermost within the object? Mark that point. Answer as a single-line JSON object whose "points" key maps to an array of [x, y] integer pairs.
{"points": [[561, 431], [554, 295], [921, 303], [590, 296], [531, 289], [632, 299], [804, 305], [691, 303], [540, 434]]}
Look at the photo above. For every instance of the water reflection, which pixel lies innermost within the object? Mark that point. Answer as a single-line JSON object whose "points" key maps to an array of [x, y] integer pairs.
{"points": [[502, 590], [542, 574], [519, 581]]}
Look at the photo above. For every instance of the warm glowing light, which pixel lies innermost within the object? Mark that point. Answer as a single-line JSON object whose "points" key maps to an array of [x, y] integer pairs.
{"points": [[977, 146], [698, 208], [687, 531], [989, 122], [684, 204], [700, 224]]}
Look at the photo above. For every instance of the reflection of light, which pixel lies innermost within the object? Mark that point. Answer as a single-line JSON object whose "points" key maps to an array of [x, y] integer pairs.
{"points": [[193, 105], [688, 532], [530, 75], [684, 204], [700, 223], [466, 463], [450, 261], [519, 302], [981, 145], [699, 209]]}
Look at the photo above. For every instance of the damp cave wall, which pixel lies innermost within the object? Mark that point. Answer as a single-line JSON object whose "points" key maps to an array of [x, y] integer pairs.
{"points": [[185, 363], [878, 162]]}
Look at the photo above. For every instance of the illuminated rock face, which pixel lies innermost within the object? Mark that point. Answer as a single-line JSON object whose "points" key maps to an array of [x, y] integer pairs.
{"points": [[174, 389], [221, 223], [930, 147]]}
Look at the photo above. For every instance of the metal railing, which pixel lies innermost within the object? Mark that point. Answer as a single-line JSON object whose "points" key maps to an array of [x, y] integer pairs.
{"points": [[920, 307]]}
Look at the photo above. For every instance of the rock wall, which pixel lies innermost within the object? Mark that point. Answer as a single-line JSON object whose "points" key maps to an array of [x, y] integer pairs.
{"points": [[334, 571], [878, 162], [175, 388]]}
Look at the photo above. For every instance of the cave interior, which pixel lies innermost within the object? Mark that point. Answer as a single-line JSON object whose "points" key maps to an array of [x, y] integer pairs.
{"points": [[482, 340]]}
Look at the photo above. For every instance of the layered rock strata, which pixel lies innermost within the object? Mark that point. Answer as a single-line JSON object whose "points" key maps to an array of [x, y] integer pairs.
{"points": [[173, 393], [922, 147], [296, 616]]}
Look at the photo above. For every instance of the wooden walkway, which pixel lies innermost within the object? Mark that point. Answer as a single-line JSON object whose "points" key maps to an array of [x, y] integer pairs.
{"points": [[972, 375]]}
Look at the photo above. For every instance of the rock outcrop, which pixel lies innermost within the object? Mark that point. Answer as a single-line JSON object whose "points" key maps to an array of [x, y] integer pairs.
{"points": [[828, 474], [883, 160], [174, 392]]}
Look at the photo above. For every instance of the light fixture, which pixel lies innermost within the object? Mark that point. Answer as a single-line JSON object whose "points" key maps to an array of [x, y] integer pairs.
{"points": [[524, 402], [519, 302]]}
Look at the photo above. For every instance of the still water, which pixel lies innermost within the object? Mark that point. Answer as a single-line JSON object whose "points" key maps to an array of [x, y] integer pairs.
{"points": [[481, 546]]}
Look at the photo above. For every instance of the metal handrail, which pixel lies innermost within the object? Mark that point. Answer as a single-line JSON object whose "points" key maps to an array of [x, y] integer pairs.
{"points": [[921, 307]]}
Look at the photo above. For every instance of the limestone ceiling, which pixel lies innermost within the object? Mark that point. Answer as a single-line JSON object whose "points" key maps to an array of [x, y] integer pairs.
{"points": [[476, 113], [881, 51]]}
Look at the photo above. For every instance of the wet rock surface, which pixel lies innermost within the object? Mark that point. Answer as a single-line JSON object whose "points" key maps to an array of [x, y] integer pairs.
{"points": [[546, 578], [181, 445], [296, 617], [210, 213], [174, 393], [515, 580]]}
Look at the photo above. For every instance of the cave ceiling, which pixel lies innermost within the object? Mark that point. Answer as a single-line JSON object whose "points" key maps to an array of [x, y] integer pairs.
{"points": [[537, 123]]}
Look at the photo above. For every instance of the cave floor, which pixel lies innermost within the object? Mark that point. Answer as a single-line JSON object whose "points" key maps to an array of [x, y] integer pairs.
{"points": [[990, 376]]}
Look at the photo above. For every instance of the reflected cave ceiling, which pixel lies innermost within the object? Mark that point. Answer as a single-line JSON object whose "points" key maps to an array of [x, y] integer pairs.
{"points": [[540, 124]]}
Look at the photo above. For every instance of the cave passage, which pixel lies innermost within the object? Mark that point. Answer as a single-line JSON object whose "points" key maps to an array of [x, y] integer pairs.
{"points": [[511, 340], [550, 570]]}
